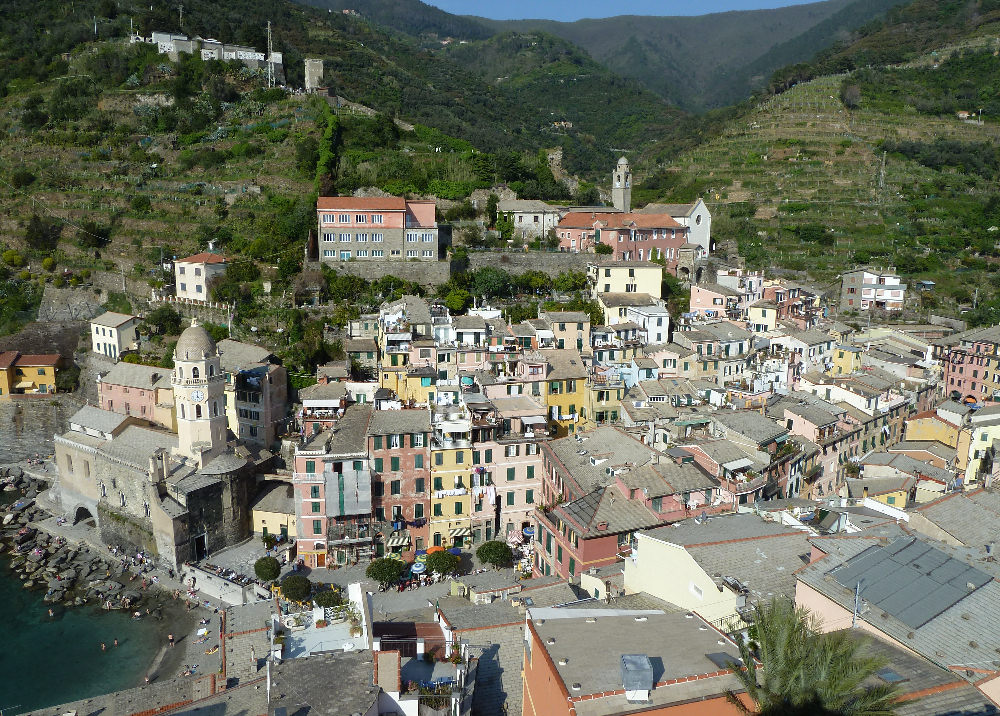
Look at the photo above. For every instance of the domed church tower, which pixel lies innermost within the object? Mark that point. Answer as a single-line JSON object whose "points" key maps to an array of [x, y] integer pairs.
{"points": [[199, 386]]}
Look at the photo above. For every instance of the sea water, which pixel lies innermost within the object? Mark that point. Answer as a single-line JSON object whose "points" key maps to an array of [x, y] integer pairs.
{"points": [[45, 661]]}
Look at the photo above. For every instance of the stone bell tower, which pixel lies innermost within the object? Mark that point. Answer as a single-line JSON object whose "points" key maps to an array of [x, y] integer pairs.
{"points": [[199, 385], [621, 186]]}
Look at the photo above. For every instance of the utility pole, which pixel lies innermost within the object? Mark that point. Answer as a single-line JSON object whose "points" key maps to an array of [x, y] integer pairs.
{"points": [[180, 13], [270, 55], [123, 278], [857, 604]]}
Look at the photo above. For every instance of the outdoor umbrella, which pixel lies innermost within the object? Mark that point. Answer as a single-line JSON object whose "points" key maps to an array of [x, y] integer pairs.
{"points": [[435, 548]]}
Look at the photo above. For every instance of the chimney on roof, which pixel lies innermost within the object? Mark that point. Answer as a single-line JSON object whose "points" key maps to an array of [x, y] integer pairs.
{"points": [[637, 677]]}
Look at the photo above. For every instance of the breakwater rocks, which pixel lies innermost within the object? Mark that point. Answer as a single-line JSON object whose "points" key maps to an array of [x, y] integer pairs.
{"points": [[71, 575]]}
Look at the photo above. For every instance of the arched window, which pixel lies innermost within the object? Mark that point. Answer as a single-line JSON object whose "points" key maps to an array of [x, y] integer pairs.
{"points": [[180, 372], [215, 408], [197, 411], [211, 371], [182, 412], [195, 373]]}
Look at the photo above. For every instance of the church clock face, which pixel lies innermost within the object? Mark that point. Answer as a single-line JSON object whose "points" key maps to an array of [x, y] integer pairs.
{"points": [[197, 395]]}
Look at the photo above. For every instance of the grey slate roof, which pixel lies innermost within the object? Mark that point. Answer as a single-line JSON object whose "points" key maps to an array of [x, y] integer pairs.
{"points": [[135, 445], [104, 421], [133, 375], [397, 422], [723, 528], [279, 498], [971, 518], [955, 625], [949, 695], [463, 614], [608, 505], [349, 436], [621, 300], [323, 391], [751, 424], [617, 447], [112, 319], [236, 356]]}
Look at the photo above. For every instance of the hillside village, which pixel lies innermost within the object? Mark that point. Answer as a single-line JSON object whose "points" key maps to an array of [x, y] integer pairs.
{"points": [[576, 497]]}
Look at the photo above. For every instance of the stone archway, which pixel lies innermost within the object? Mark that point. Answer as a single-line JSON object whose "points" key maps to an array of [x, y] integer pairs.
{"points": [[84, 515]]}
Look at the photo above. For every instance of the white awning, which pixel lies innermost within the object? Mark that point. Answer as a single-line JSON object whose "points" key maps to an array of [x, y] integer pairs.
{"points": [[738, 464], [400, 539], [533, 420], [460, 532]]}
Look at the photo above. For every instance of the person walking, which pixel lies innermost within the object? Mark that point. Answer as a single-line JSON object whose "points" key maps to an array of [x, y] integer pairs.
{"points": [[170, 639]]}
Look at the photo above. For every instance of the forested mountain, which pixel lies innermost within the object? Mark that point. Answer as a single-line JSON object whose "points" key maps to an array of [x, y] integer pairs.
{"points": [[410, 17], [905, 32], [706, 61]]}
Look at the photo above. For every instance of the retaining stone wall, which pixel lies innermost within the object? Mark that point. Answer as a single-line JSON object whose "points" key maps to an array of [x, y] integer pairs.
{"points": [[516, 263]]}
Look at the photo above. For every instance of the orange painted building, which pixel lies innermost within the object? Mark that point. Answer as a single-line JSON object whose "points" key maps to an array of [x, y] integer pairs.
{"points": [[649, 661]]}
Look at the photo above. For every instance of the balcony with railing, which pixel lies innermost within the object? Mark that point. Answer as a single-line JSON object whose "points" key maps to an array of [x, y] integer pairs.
{"points": [[745, 483]]}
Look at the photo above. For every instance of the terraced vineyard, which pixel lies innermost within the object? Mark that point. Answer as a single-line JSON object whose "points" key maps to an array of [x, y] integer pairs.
{"points": [[804, 159]]}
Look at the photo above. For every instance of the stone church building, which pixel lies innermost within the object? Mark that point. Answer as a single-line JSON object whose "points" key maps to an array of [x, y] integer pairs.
{"points": [[180, 496]]}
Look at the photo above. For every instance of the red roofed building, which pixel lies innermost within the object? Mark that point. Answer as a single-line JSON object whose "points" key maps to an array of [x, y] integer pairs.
{"points": [[632, 237], [376, 228], [193, 274], [26, 374]]}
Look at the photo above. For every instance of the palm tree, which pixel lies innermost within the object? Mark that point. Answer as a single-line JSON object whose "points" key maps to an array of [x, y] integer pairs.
{"points": [[804, 672]]}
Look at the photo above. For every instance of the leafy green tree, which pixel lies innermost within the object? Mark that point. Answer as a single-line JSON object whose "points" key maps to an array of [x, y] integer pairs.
{"points": [[570, 281], [296, 587], [165, 320], [329, 598], [443, 563], [603, 249], [267, 569], [386, 571], [490, 282], [13, 258], [804, 672], [21, 178], [458, 300], [492, 206], [306, 155], [93, 235], [42, 234], [48, 263], [497, 553]]}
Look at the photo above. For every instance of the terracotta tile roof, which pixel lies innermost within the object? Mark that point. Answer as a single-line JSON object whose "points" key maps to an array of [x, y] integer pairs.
{"points": [[42, 359], [7, 359], [203, 258], [351, 203]]}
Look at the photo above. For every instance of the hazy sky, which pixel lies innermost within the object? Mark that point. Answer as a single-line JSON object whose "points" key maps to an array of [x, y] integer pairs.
{"points": [[576, 9]]}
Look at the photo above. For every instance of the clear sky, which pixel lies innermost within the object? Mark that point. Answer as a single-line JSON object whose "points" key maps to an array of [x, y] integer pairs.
{"points": [[576, 9]]}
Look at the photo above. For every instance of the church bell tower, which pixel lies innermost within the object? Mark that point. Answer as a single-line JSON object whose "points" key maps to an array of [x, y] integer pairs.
{"points": [[199, 386], [621, 186]]}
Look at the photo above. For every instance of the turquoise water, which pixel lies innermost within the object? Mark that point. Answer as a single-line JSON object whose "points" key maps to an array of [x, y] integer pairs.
{"points": [[46, 661]]}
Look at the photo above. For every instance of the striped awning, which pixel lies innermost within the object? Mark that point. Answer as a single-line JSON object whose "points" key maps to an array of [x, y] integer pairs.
{"points": [[460, 532], [399, 539]]}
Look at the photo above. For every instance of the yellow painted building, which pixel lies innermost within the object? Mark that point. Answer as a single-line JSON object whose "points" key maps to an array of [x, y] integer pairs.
{"points": [[846, 359], [450, 521], [762, 317], [27, 374], [928, 426], [566, 391], [273, 513]]}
